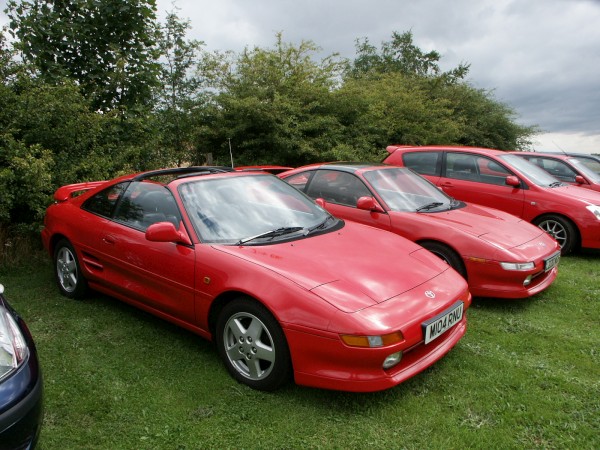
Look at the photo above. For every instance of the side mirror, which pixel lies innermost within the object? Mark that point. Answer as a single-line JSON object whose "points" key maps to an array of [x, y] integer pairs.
{"points": [[511, 180], [369, 204], [580, 180], [166, 232], [321, 202]]}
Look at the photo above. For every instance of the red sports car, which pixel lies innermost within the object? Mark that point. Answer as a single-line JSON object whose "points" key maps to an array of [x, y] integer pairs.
{"points": [[505, 181], [245, 259], [499, 254], [567, 169]]}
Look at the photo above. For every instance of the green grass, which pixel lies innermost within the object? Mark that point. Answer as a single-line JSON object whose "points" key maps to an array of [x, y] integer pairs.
{"points": [[526, 375]]}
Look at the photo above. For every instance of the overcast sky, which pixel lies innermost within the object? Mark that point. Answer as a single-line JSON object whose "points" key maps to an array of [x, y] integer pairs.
{"points": [[541, 57]]}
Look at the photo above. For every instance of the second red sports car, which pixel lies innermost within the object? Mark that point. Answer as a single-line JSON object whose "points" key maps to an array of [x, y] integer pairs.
{"points": [[499, 254]]}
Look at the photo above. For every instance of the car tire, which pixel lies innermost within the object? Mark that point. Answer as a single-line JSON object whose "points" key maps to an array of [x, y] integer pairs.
{"points": [[560, 229], [447, 255], [67, 270], [252, 345]]}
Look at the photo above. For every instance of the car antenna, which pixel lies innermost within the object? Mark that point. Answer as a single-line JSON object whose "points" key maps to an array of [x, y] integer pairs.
{"points": [[557, 146], [230, 152]]}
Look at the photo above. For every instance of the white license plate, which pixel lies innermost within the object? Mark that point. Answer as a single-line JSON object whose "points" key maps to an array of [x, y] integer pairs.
{"points": [[436, 326], [551, 261]]}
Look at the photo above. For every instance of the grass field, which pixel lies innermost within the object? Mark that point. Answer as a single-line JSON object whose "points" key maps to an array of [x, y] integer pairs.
{"points": [[526, 375]]}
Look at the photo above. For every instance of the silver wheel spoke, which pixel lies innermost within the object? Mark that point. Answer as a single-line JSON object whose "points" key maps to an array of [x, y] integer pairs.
{"points": [[264, 352], [254, 330]]}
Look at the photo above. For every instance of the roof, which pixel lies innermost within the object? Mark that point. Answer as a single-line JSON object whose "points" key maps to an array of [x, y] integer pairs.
{"points": [[482, 150]]}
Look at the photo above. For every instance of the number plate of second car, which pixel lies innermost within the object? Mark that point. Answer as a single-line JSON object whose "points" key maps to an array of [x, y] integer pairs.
{"points": [[435, 326], [552, 261]]}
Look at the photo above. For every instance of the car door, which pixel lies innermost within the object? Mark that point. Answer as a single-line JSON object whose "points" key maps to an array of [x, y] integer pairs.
{"points": [[478, 179], [340, 191], [158, 275]]}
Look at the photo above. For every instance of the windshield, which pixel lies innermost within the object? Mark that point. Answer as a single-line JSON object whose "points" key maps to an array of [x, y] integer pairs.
{"points": [[590, 163], [535, 174], [585, 170], [254, 209], [403, 190]]}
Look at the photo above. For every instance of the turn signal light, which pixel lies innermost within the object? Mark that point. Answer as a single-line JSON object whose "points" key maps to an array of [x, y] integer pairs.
{"points": [[372, 341]]}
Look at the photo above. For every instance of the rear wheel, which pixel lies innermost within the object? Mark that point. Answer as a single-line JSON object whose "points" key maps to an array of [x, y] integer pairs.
{"points": [[447, 255], [560, 229], [252, 345], [68, 274]]}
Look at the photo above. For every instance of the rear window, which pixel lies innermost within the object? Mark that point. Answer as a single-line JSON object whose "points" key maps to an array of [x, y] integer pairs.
{"points": [[425, 163]]}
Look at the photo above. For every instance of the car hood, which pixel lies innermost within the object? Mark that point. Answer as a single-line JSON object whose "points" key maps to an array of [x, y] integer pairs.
{"points": [[587, 195], [491, 225], [352, 268]]}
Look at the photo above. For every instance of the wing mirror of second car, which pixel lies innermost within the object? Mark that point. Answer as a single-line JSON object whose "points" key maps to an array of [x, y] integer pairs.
{"points": [[579, 179], [511, 180], [369, 204], [166, 232]]}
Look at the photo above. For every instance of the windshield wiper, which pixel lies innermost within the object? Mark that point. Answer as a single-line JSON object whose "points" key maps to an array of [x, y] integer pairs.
{"points": [[556, 184], [319, 226], [429, 206], [270, 234]]}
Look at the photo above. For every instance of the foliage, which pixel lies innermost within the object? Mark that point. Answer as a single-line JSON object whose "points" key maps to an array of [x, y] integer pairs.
{"points": [[91, 100], [400, 55], [274, 104], [180, 96], [485, 121], [106, 47]]}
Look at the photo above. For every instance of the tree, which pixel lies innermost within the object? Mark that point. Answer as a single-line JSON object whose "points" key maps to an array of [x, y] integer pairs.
{"points": [[107, 47], [180, 95], [275, 104], [400, 55]]}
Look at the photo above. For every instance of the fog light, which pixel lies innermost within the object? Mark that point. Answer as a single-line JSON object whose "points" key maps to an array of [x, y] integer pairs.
{"points": [[392, 360], [527, 281]]}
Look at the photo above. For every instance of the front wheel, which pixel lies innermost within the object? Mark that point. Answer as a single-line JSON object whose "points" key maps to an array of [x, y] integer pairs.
{"points": [[560, 229], [68, 274], [447, 255], [252, 345]]}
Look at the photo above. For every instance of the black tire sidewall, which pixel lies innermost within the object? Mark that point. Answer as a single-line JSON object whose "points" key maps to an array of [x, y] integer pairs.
{"points": [[569, 228], [448, 254]]}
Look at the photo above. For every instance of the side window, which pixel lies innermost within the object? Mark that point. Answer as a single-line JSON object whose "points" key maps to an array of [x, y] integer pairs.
{"points": [[462, 166], [425, 163], [146, 203], [104, 202], [556, 168], [299, 180], [337, 187], [469, 167]]}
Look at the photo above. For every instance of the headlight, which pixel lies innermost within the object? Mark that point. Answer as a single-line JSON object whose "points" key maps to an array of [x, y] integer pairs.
{"points": [[595, 210], [517, 266], [354, 340], [13, 348]]}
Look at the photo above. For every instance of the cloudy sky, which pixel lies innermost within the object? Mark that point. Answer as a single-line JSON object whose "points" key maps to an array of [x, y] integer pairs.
{"points": [[541, 57]]}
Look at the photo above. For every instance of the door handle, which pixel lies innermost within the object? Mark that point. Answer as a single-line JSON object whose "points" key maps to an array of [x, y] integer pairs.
{"points": [[110, 240]]}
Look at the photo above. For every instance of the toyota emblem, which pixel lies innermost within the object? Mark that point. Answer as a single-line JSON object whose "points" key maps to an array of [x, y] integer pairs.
{"points": [[429, 294]]}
